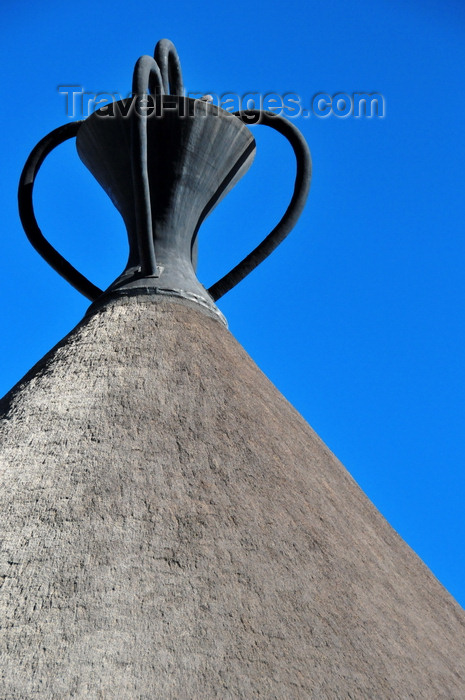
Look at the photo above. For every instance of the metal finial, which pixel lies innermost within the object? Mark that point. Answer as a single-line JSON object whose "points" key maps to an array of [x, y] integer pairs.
{"points": [[166, 161]]}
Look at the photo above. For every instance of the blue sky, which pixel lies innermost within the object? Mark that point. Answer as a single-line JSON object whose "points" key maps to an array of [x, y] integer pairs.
{"points": [[358, 318]]}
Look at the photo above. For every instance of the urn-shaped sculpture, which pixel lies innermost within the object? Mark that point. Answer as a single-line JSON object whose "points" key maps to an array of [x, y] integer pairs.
{"points": [[165, 160]]}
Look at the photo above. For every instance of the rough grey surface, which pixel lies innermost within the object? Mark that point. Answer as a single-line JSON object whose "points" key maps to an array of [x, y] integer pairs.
{"points": [[172, 528]]}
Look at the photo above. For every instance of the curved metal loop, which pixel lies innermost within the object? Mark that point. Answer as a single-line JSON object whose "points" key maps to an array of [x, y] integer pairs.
{"points": [[293, 211], [159, 75], [168, 61], [147, 76], [28, 219]]}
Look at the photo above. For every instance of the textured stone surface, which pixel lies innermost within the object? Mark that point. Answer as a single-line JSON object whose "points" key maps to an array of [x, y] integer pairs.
{"points": [[172, 528]]}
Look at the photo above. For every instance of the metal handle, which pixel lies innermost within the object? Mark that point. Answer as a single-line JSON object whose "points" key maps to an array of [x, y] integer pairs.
{"points": [[28, 219], [293, 211], [162, 75]]}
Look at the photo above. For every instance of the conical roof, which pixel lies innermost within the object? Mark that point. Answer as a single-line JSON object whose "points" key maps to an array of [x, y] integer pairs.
{"points": [[172, 528]]}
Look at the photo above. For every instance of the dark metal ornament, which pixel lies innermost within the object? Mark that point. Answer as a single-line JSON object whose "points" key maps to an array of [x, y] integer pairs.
{"points": [[165, 161]]}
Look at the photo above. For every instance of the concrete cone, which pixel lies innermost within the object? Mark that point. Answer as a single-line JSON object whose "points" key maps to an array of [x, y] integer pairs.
{"points": [[172, 528]]}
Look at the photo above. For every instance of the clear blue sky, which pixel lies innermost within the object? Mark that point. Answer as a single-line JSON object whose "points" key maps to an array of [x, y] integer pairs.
{"points": [[358, 318]]}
